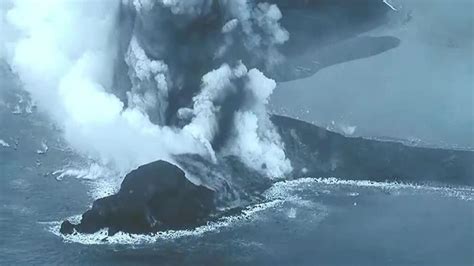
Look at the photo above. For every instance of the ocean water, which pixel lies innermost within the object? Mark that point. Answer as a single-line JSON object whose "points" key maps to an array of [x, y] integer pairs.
{"points": [[310, 221]]}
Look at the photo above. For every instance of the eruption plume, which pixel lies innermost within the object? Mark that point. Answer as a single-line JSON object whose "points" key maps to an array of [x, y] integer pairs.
{"points": [[135, 81]]}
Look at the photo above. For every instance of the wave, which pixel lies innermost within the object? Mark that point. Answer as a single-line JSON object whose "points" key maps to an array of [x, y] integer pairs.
{"points": [[397, 188], [286, 196], [101, 180], [101, 237]]}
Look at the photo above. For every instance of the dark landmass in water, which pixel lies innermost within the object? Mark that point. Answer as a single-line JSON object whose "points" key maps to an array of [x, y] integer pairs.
{"points": [[158, 196]]}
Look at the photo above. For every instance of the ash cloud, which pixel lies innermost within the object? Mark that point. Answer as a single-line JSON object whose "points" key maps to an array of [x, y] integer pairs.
{"points": [[135, 81]]}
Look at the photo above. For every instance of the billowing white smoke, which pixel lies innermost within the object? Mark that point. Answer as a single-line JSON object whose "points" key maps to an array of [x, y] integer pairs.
{"points": [[261, 28], [149, 79], [257, 141], [64, 53], [204, 124]]}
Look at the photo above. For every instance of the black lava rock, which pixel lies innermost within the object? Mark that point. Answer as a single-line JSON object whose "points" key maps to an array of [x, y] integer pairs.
{"points": [[329, 154], [156, 196], [66, 228]]}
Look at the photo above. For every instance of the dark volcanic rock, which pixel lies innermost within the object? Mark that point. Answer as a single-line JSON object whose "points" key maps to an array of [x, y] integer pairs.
{"points": [[158, 196], [67, 228], [154, 197], [323, 153]]}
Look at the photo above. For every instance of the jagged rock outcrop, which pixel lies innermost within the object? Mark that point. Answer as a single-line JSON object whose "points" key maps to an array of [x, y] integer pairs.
{"points": [[156, 196]]}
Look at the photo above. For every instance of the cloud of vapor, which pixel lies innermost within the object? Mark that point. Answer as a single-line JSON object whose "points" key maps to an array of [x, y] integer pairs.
{"points": [[204, 124], [187, 91], [63, 52], [256, 140], [149, 79]]}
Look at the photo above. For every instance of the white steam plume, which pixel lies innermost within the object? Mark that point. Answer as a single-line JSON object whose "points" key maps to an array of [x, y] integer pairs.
{"points": [[149, 79], [204, 124], [256, 140], [261, 28], [64, 53]]}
